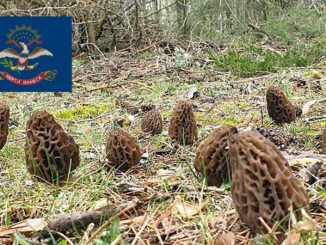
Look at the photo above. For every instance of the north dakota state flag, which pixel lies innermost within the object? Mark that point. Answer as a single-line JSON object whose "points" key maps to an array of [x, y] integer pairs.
{"points": [[35, 54]]}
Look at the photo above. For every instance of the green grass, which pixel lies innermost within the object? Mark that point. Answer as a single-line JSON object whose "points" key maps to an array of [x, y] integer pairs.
{"points": [[81, 112], [253, 59], [111, 233], [147, 54]]}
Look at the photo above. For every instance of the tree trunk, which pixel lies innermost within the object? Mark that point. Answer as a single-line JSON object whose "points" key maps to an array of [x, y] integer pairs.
{"points": [[182, 7]]}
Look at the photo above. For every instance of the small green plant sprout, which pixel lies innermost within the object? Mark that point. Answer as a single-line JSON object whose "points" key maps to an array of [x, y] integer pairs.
{"points": [[8, 64], [111, 234]]}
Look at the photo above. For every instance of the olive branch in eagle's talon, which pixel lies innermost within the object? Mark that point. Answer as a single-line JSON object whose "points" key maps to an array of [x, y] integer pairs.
{"points": [[8, 64]]}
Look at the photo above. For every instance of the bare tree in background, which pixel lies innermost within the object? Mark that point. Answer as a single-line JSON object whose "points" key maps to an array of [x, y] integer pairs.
{"points": [[103, 25]]}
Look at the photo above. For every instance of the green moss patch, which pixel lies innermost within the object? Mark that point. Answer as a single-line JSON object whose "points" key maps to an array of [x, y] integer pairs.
{"points": [[80, 112]]}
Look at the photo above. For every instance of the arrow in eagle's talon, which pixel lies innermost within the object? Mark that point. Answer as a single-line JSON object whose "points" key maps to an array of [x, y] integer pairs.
{"points": [[31, 66]]}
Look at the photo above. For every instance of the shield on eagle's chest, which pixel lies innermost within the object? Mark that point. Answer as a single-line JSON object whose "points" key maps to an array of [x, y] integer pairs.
{"points": [[22, 60]]}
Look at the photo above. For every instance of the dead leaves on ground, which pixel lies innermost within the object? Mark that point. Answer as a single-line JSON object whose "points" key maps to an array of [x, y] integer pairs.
{"points": [[26, 226], [299, 229]]}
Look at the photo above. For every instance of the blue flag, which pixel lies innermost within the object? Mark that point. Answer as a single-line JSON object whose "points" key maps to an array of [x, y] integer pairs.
{"points": [[35, 54]]}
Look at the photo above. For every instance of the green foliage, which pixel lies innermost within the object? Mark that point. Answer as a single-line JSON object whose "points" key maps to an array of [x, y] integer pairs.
{"points": [[112, 233], [80, 112], [293, 24], [8, 219], [159, 88], [8, 64], [303, 55], [227, 121], [114, 229], [147, 54], [62, 242], [20, 239], [226, 186], [226, 21], [242, 65], [254, 59]]}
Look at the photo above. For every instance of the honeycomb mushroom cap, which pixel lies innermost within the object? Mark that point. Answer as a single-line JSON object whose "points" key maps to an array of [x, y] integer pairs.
{"points": [[262, 181], [50, 153], [152, 122], [130, 108], [279, 107], [122, 150], [212, 158], [183, 126], [280, 138], [4, 122], [147, 107]]}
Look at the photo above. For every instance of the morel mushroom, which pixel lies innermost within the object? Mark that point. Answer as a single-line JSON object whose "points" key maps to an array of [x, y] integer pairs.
{"points": [[50, 153], [183, 126], [279, 107], [147, 107], [152, 122], [212, 158], [280, 138], [130, 108], [262, 181], [122, 150], [4, 121], [323, 146]]}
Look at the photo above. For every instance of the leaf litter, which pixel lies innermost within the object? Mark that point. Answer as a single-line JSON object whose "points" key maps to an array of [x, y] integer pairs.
{"points": [[172, 205]]}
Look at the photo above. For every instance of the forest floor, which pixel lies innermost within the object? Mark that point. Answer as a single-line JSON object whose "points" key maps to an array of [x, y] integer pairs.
{"points": [[169, 203]]}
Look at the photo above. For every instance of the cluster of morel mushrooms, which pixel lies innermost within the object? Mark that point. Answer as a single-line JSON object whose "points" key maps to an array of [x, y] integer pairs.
{"points": [[263, 185]]}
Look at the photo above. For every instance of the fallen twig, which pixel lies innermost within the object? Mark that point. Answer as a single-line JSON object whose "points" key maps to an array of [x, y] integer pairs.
{"points": [[81, 220], [106, 223]]}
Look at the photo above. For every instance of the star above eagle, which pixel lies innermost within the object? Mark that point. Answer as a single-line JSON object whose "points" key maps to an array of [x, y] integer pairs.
{"points": [[24, 56]]}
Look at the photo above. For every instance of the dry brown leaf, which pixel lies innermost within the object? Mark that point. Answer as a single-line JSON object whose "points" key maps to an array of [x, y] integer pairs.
{"points": [[216, 220], [29, 225], [184, 209], [306, 161], [306, 224], [226, 239], [306, 154], [101, 203], [135, 220], [250, 120], [292, 238], [306, 107]]}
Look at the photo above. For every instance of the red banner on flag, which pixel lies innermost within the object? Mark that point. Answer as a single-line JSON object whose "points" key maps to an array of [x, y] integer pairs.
{"points": [[20, 81]]}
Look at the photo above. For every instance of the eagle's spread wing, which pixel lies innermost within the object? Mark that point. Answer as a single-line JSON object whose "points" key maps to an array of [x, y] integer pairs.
{"points": [[37, 52], [10, 53]]}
